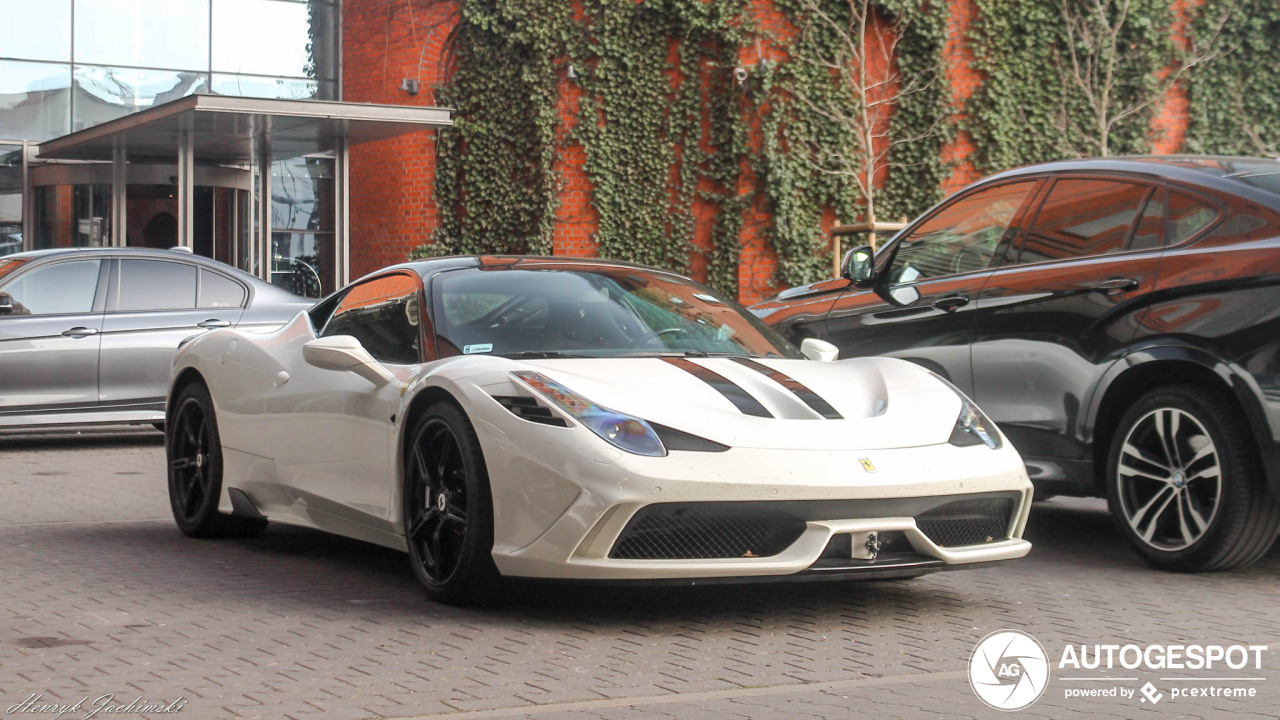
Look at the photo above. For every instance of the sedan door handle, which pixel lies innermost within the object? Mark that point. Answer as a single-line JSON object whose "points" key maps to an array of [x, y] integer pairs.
{"points": [[951, 303], [214, 323], [1116, 285], [79, 332]]}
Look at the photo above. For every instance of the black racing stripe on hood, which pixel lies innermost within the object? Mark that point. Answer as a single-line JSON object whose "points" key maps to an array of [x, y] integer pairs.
{"points": [[740, 398], [810, 398]]}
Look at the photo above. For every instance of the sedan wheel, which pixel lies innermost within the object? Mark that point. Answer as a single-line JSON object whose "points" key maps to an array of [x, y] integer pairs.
{"points": [[448, 509], [1184, 483], [194, 452]]}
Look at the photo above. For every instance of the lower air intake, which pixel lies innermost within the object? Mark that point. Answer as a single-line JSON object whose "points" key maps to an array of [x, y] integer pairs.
{"points": [[706, 531], [968, 522]]}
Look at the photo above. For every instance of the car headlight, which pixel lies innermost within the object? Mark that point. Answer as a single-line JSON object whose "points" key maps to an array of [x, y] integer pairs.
{"points": [[623, 431], [973, 428]]}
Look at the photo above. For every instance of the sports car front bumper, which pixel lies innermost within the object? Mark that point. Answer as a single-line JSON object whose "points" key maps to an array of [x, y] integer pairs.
{"points": [[827, 496]]}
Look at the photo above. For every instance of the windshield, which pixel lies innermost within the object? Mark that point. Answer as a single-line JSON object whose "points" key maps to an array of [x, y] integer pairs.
{"points": [[592, 312]]}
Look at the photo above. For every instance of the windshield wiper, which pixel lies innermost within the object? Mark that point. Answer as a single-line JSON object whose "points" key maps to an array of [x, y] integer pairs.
{"points": [[683, 354], [538, 355]]}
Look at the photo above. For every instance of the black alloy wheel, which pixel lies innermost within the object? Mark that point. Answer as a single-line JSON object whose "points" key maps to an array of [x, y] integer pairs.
{"points": [[1184, 483], [448, 509], [194, 453]]}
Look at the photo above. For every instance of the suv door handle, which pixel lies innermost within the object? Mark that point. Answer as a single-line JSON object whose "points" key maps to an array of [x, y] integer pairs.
{"points": [[951, 303], [214, 323], [79, 332], [1116, 285]]}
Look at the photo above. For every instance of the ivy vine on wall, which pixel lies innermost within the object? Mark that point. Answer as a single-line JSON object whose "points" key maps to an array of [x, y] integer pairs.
{"points": [[1065, 79], [1235, 99]]}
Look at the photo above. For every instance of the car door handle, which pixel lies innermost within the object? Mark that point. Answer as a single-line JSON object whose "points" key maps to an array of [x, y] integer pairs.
{"points": [[951, 303], [1116, 285], [79, 332], [214, 323]]}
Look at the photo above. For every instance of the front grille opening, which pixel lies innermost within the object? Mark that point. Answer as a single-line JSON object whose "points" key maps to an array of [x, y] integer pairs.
{"points": [[705, 531], [527, 408], [968, 522]]}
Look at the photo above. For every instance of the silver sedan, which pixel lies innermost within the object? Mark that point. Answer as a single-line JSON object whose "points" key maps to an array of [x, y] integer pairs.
{"points": [[89, 335]]}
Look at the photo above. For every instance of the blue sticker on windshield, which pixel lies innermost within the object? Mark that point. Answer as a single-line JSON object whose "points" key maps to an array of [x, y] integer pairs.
{"points": [[481, 348]]}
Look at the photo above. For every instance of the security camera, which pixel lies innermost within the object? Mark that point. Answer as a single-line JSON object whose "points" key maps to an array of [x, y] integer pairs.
{"points": [[740, 75]]}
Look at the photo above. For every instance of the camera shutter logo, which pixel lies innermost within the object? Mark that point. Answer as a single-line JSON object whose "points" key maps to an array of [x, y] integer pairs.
{"points": [[1008, 670]]}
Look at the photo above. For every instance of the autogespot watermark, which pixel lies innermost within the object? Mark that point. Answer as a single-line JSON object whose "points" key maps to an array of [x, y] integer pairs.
{"points": [[1009, 670], [105, 705]]}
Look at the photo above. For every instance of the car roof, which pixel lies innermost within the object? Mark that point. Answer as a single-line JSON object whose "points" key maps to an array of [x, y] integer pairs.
{"points": [[259, 285], [428, 268], [1255, 178]]}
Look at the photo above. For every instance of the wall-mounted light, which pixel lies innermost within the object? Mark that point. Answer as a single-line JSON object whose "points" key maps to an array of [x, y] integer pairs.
{"points": [[572, 74], [409, 85], [739, 75]]}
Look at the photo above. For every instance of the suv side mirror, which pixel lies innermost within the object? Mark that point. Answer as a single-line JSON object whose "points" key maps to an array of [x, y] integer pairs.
{"points": [[343, 352], [6, 303], [859, 265]]}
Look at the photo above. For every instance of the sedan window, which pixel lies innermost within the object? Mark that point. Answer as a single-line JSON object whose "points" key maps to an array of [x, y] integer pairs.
{"points": [[156, 285], [66, 288], [1083, 217], [220, 291], [1188, 216], [962, 237]]}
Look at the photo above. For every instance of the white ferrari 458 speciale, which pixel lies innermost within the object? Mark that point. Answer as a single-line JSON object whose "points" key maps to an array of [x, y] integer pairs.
{"points": [[579, 419]]}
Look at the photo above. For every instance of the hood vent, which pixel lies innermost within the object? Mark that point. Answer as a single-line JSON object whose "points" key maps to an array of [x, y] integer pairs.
{"points": [[527, 408]]}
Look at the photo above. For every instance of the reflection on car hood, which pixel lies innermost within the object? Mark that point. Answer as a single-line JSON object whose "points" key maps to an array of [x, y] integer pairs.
{"points": [[771, 403]]}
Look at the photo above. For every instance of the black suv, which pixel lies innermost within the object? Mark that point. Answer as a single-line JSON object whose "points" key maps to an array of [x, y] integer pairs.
{"points": [[1119, 319]]}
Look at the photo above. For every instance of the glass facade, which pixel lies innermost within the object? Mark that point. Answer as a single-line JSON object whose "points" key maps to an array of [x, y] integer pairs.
{"points": [[66, 65]]}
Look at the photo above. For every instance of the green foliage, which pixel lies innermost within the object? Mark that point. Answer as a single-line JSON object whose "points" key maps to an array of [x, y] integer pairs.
{"points": [[1235, 99], [1034, 104], [664, 124], [795, 136], [495, 178]]}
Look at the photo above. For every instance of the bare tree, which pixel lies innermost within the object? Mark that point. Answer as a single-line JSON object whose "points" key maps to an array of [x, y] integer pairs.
{"points": [[1095, 49], [867, 87]]}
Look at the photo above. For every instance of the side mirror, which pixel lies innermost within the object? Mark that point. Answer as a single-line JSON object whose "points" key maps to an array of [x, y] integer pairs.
{"points": [[859, 265], [6, 303], [819, 350], [345, 353]]}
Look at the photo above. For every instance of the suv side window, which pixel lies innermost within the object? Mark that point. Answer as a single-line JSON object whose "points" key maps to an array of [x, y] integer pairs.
{"points": [[384, 315], [1083, 217], [1188, 216], [961, 237], [155, 285], [65, 288]]}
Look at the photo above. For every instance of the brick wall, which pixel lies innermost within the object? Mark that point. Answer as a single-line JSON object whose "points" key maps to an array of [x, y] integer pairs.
{"points": [[393, 207]]}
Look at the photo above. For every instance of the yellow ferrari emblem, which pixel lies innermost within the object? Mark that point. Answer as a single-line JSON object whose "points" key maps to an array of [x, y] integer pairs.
{"points": [[866, 464]]}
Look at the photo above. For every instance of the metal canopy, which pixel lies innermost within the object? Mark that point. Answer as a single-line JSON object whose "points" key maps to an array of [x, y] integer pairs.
{"points": [[232, 130]]}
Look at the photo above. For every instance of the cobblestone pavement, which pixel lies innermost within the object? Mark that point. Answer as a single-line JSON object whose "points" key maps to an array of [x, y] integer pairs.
{"points": [[100, 594]]}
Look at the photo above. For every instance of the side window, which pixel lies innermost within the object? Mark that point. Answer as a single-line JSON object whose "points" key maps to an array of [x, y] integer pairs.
{"points": [[67, 288], [156, 285], [1083, 218], [1188, 216], [384, 315], [962, 237], [219, 291], [1147, 235]]}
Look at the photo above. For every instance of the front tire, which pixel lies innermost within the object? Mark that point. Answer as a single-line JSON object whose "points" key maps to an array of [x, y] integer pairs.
{"points": [[1184, 483], [193, 449], [448, 508]]}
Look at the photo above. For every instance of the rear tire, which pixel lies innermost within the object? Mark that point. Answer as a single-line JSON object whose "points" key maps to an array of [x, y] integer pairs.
{"points": [[448, 509], [193, 449], [1185, 485]]}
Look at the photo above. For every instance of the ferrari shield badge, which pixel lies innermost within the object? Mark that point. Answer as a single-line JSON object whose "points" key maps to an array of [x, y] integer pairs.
{"points": [[867, 464]]}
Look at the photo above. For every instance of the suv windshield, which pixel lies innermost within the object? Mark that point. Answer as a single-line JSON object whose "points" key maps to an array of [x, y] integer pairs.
{"points": [[592, 312]]}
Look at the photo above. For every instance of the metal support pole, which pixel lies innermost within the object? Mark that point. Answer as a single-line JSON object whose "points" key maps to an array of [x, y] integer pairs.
{"points": [[342, 215], [186, 188], [119, 194], [263, 229]]}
